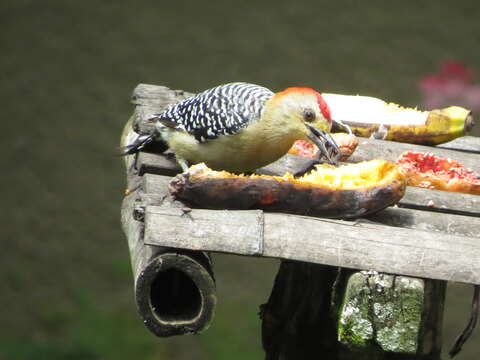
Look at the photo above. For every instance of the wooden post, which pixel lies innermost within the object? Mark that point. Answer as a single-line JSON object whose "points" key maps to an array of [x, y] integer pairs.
{"points": [[174, 289], [296, 321]]}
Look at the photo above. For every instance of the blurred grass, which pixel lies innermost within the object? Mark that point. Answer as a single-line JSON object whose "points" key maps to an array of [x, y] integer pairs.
{"points": [[68, 69]]}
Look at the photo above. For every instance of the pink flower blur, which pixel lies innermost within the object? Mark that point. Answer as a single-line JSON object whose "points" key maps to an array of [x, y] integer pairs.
{"points": [[452, 85]]}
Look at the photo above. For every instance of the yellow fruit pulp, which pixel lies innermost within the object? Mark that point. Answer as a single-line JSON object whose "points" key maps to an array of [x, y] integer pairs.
{"points": [[362, 175], [354, 176]]}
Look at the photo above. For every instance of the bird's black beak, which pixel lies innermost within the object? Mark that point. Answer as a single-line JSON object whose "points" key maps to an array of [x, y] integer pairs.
{"points": [[325, 143]]}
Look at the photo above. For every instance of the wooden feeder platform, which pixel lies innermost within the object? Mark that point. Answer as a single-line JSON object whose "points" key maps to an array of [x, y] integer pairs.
{"points": [[408, 251]]}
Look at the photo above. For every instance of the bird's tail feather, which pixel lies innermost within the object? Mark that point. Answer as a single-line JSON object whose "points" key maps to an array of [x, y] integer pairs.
{"points": [[149, 143]]}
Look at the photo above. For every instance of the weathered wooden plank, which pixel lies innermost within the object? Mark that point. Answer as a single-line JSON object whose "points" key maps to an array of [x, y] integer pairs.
{"points": [[330, 242], [152, 99], [155, 95], [287, 163], [166, 165], [241, 232], [157, 164], [156, 184], [368, 246], [441, 201], [428, 221], [465, 143], [391, 150]]}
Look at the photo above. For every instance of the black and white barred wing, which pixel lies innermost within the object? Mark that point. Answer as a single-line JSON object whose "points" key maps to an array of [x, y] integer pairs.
{"points": [[222, 110]]}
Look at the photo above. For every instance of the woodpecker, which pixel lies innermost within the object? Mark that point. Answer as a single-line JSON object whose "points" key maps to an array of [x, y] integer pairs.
{"points": [[240, 127]]}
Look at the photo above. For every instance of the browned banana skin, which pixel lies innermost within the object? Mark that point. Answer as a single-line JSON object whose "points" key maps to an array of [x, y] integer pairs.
{"points": [[270, 194]]}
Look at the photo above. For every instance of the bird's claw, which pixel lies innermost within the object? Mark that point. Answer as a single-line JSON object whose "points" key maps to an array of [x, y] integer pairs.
{"points": [[309, 166]]}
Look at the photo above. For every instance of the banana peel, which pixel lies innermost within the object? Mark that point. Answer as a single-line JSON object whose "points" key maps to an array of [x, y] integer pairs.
{"points": [[372, 117], [348, 191]]}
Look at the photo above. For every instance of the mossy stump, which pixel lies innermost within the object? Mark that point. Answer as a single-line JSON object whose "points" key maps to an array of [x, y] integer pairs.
{"points": [[334, 313], [386, 313]]}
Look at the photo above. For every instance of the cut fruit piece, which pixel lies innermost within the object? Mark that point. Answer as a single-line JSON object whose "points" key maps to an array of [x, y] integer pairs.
{"points": [[347, 191], [433, 172], [369, 116], [346, 142]]}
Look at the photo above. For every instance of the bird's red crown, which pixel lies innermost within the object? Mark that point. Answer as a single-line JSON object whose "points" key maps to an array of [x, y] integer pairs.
{"points": [[324, 108]]}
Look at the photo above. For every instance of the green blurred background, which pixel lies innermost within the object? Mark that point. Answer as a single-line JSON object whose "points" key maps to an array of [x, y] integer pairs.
{"points": [[68, 69]]}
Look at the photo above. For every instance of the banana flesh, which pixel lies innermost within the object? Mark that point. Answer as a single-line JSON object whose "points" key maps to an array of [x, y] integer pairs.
{"points": [[373, 117]]}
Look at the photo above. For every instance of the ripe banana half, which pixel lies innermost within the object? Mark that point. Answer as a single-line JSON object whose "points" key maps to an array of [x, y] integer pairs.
{"points": [[373, 117]]}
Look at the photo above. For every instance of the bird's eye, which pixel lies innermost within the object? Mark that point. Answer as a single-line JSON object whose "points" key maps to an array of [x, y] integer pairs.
{"points": [[309, 115]]}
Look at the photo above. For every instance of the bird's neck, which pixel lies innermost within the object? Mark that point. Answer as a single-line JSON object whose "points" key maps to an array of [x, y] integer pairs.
{"points": [[278, 120]]}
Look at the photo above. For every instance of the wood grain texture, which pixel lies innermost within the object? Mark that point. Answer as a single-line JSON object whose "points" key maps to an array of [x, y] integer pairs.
{"points": [[150, 100], [428, 221], [237, 232], [354, 245], [465, 143], [155, 95], [441, 201], [149, 163], [372, 246]]}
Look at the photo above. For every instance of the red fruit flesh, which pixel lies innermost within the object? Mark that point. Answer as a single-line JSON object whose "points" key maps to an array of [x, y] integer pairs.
{"points": [[304, 148], [430, 171]]}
